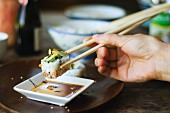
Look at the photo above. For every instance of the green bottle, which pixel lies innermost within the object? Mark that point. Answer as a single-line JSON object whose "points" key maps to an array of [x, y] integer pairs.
{"points": [[160, 27]]}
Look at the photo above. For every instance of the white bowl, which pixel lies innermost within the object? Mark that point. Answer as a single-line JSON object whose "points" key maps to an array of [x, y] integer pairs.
{"points": [[3, 44], [144, 4], [72, 32], [95, 12]]}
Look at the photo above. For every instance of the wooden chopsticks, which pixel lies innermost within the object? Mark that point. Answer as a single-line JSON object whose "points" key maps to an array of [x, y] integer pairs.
{"points": [[141, 14], [94, 49], [123, 23], [123, 26]]}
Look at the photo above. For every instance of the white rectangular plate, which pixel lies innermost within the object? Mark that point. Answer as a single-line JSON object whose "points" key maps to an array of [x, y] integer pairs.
{"points": [[26, 86]]}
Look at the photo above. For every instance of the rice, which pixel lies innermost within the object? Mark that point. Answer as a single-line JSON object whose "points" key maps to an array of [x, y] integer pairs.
{"points": [[50, 65]]}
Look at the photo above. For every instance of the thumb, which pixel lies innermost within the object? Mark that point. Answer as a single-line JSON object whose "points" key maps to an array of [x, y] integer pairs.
{"points": [[110, 39]]}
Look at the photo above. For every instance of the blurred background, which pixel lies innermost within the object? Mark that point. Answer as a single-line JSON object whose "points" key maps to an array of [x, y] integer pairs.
{"points": [[55, 5], [32, 29], [52, 12]]}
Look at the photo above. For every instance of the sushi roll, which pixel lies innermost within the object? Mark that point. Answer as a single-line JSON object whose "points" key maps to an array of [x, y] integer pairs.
{"points": [[50, 65]]}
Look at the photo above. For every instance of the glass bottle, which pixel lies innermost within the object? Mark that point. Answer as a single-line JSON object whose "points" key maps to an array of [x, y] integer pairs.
{"points": [[160, 27], [28, 30]]}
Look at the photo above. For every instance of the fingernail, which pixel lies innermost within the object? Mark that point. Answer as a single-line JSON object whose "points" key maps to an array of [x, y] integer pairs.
{"points": [[96, 36]]}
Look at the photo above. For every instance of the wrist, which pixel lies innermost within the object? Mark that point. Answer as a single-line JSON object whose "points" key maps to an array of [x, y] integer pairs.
{"points": [[163, 63]]}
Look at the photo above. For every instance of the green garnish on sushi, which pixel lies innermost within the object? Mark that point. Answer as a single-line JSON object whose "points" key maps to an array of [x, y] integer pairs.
{"points": [[71, 66], [54, 54]]}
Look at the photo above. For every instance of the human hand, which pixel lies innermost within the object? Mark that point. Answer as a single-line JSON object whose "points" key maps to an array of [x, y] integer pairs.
{"points": [[8, 14], [134, 59]]}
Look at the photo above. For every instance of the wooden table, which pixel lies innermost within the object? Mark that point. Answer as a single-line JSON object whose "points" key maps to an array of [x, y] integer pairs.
{"points": [[149, 97]]}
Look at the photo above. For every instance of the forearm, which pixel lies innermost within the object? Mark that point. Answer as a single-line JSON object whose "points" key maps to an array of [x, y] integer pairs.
{"points": [[163, 63], [8, 13]]}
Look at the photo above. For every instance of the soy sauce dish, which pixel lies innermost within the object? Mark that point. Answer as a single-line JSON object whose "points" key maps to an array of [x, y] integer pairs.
{"points": [[58, 91]]}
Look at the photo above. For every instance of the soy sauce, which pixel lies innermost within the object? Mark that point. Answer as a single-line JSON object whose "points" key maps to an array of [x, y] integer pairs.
{"points": [[57, 88]]}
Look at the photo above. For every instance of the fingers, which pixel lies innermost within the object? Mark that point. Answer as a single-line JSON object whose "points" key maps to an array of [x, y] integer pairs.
{"points": [[87, 39], [106, 53], [111, 39], [106, 60], [103, 53], [103, 70], [102, 62], [107, 68], [108, 39]]}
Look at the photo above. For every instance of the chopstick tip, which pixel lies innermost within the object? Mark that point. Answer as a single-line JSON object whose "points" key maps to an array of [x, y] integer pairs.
{"points": [[61, 67]]}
